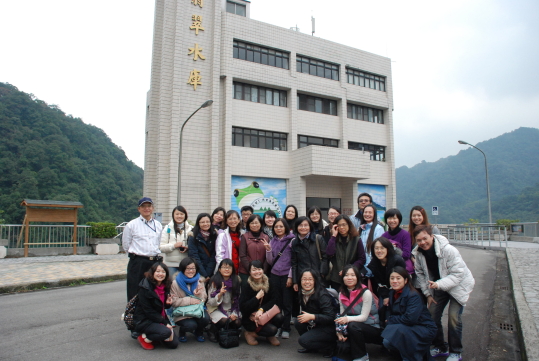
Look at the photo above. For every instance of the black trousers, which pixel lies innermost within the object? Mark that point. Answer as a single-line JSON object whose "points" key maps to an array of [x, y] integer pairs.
{"points": [[321, 338], [284, 298], [194, 325], [135, 273], [360, 334], [159, 332]]}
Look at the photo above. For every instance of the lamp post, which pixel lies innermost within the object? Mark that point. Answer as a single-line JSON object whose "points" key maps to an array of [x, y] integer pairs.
{"points": [[488, 187], [207, 103]]}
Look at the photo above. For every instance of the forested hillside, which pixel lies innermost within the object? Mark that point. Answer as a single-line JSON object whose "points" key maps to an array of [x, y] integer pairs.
{"points": [[456, 184], [46, 154]]}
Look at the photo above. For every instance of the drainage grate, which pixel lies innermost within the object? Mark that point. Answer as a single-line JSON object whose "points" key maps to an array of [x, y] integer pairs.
{"points": [[506, 327]]}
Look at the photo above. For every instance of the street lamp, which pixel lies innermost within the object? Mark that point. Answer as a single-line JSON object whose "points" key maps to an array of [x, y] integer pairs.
{"points": [[486, 170], [207, 103]]}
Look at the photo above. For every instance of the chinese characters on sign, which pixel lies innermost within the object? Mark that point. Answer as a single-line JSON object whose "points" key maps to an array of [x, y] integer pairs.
{"points": [[198, 2], [196, 51], [194, 79], [197, 23]]}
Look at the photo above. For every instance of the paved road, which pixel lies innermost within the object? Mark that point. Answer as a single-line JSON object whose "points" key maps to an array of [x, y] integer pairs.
{"points": [[83, 323]]}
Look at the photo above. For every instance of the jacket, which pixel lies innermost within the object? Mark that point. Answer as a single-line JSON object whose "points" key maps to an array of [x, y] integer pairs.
{"points": [[365, 230], [223, 247], [305, 256], [342, 253], [249, 303], [456, 279], [149, 307], [172, 256], [197, 251], [380, 276], [179, 298], [403, 241], [410, 327], [284, 263], [321, 306], [252, 248]]}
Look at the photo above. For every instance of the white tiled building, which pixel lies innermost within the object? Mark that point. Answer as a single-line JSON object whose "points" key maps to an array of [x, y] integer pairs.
{"points": [[251, 73]]}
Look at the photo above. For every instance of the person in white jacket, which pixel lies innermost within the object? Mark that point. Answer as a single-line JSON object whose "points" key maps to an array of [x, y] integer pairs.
{"points": [[174, 239], [444, 279]]}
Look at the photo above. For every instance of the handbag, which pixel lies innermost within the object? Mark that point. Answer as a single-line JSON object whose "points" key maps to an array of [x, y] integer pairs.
{"points": [[266, 316], [229, 337], [343, 328], [194, 311]]}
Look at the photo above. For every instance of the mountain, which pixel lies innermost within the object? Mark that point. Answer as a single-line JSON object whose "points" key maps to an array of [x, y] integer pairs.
{"points": [[46, 154], [457, 184]]}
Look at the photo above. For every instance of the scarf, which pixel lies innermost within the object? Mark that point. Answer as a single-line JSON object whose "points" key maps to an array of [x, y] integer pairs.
{"points": [[306, 295], [160, 291], [183, 281], [346, 300], [306, 236], [268, 231], [180, 227], [395, 231], [235, 301], [255, 234], [205, 234], [257, 286], [397, 294]]}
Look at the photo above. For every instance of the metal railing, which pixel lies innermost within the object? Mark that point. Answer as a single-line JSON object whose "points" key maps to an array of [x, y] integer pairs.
{"points": [[48, 235], [481, 235]]}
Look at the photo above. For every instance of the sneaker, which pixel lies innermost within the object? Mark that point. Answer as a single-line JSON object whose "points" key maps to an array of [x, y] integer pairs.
{"points": [[292, 320], [279, 332], [364, 358], [145, 345], [285, 334], [436, 352], [454, 357]]}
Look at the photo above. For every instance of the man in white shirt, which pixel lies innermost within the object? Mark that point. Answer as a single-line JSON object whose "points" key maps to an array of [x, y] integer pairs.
{"points": [[140, 240]]}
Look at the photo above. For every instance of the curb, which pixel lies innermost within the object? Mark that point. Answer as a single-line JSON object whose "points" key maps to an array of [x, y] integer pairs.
{"points": [[35, 286], [528, 329]]}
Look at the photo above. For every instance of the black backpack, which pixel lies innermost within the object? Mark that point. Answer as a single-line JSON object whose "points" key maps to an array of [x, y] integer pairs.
{"points": [[128, 315], [334, 299]]}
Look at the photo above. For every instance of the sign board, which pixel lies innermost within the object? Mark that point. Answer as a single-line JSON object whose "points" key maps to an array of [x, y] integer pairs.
{"points": [[434, 210], [158, 216]]}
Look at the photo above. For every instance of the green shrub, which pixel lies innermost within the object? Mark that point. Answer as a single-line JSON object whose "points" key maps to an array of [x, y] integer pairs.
{"points": [[506, 223], [102, 230]]}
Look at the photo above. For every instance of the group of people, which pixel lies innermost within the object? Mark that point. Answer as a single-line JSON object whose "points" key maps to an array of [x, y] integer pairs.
{"points": [[342, 283]]}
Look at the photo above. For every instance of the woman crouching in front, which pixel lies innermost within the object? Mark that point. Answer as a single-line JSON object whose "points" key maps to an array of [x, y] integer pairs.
{"points": [[150, 317], [410, 328], [315, 322], [256, 299]]}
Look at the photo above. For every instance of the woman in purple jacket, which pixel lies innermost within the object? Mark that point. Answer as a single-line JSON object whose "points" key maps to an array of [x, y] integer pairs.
{"points": [[399, 237], [279, 256]]}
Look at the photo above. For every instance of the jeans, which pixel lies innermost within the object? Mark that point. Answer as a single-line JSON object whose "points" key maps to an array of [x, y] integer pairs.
{"points": [[454, 322], [194, 325], [321, 338], [159, 332], [359, 334]]}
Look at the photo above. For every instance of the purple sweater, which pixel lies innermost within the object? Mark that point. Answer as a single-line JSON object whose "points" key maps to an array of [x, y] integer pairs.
{"points": [[403, 241], [284, 263]]}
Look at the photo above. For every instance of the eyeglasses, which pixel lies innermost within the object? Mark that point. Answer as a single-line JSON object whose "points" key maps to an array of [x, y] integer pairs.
{"points": [[226, 268], [345, 225], [307, 279], [191, 269]]}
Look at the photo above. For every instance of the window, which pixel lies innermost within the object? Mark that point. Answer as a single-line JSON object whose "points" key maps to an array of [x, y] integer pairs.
{"points": [[305, 141], [254, 138], [368, 80], [259, 94], [323, 204], [378, 152], [365, 113], [234, 8], [317, 105], [260, 54], [317, 67]]}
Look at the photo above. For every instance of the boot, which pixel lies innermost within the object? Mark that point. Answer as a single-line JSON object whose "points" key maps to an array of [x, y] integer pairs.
{"points": [[250, 337], [273, 340], [213, 334]]}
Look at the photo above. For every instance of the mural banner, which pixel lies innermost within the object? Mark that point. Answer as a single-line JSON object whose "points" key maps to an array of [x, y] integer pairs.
{"points": [[378, 194], [262, 194]]}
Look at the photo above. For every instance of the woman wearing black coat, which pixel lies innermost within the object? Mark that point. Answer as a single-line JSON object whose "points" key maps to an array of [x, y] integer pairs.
{"points": [[383, 260], [202, 245], [150, 318], [409, 326], [315, 324]]}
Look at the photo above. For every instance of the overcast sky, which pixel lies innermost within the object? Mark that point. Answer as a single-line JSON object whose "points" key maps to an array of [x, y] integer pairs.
{"points": [[461, 69]]}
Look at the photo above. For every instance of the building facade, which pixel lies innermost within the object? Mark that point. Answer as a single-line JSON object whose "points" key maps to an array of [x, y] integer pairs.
{"points": [[295, 119]]}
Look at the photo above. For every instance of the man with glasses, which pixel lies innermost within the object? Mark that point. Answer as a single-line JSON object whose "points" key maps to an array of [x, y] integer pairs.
{"points": [[363, 200], [140, 240]]}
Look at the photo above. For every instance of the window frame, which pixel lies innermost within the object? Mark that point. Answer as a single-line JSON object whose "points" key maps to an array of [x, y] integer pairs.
{"points": [[367, 114], [239, 92], [249, 137], [317, 67], [377, 152], [260, 54], [364, 78], [311, 103], [236, 6], [324, 142]]}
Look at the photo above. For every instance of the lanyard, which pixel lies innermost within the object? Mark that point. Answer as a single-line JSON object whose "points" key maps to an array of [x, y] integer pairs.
{"points": [[148, 224]]}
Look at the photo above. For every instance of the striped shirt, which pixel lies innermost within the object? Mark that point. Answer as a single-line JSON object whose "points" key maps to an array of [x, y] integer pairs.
{"points": [[142, 237]]}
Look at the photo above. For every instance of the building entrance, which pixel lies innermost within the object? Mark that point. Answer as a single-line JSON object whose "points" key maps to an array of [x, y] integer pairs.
{"points": [[323, 204]]}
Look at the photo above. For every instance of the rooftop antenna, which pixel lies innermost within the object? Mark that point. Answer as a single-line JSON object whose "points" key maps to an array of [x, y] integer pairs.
{"points": [[312, 20]]}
